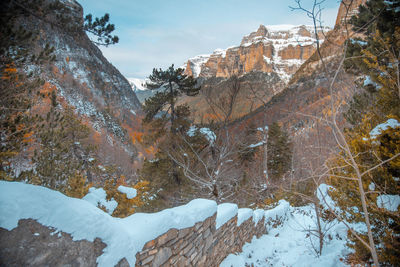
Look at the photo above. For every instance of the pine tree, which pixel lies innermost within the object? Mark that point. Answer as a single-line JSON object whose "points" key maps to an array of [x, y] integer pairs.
{"points": [[279, 152], [63, 148], [170, 84]]}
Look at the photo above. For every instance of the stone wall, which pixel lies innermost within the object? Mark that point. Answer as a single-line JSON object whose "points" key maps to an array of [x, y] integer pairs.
{"points": [[34, 244], [200, 245]]}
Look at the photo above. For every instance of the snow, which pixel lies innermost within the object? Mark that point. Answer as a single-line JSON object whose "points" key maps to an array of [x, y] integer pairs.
{"points": [[388, 202], [197, 63], [258, 215], [279, 213], [261, 129], [123, 237], [225, 212], [371, 186], [97, 197], [138, 84], [101, 167], [289, 244], [368, 81], [129, 191], [392, 123], [210, 135], [243, 215], [257, 145], [360, 42], [323, 196]]}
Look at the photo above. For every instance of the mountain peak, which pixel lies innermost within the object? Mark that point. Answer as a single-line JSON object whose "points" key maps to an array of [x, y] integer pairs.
{"points": [[272, 48]]}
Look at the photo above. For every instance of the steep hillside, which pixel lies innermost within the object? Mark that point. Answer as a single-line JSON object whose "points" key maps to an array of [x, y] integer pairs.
{"points": [[84, 80]]}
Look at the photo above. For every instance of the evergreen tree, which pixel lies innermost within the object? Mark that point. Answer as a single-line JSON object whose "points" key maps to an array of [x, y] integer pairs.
{"points": [[170, 84], [279, 152], [63, 149]]}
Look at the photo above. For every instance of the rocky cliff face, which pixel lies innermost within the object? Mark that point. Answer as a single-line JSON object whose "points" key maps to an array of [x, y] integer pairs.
{"points": [[347, 9], [85, 80], [279, 48]]}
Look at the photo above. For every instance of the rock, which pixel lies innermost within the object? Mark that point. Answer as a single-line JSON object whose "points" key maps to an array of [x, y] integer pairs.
{"points": [[23, 247], [162, 256], [269, 49]]}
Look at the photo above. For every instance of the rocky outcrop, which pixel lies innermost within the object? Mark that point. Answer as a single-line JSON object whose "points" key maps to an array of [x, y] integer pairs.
{"points": [[347, 9], [84, 79], [32, 244], [280, 49]]}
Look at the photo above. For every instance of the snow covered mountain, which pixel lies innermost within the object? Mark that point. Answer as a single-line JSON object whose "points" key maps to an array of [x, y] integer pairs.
{"points": [[137, 84], [277, 48]]}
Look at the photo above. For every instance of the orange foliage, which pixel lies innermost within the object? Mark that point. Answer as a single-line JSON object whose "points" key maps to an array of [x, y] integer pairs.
{"points": [[28, 137], [150, 151], [137, 136], [9, 71], [47, 88], [67, 59]]}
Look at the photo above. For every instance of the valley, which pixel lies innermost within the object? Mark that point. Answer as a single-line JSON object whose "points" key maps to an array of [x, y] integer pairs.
{"points": [[282, 149]]}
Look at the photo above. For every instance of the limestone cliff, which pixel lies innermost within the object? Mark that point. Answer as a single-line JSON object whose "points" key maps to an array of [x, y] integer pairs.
{"points": [[279, 48]]}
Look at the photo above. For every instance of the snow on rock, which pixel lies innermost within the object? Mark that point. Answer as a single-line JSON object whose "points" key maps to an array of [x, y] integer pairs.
{"points": [[197, 63], [129, 191], [123, 237], [243, 215], [225, 212], [97, 197], [392, 123], [210, 135], [388, 202], [289, 245], [138, 84], [258, 215]]}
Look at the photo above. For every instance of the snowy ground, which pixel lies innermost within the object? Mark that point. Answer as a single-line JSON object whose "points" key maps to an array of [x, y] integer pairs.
{"points": [[290, 243]]}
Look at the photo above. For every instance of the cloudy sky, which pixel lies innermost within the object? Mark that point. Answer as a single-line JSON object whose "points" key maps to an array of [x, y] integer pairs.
{"points": [[158, 33]]}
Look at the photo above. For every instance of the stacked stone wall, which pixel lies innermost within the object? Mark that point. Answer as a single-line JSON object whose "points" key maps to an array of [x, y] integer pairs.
{"points": [[200, 245]]}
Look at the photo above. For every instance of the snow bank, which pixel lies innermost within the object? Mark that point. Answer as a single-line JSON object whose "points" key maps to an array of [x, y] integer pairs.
{"points": [[278, 214], [388, 202], [243, 215], [290, 245], [97, 197], [258, 215], [129, 191], [279, 211], [392, 123], [80, 218], [225, 212]]}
